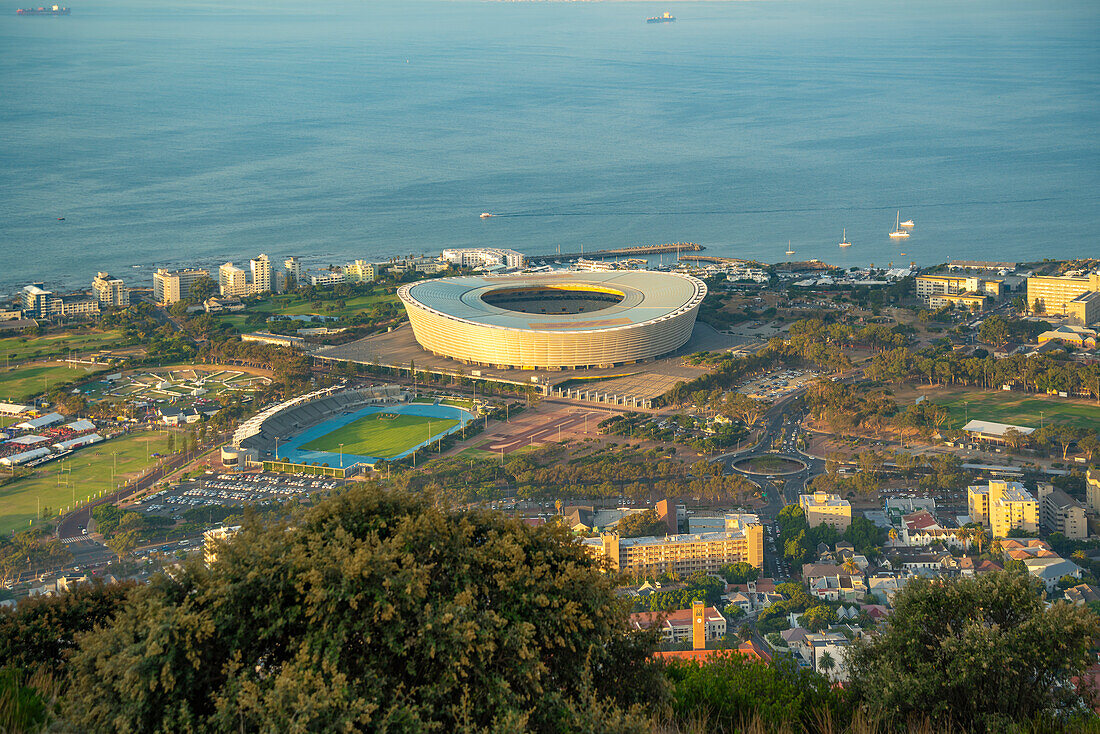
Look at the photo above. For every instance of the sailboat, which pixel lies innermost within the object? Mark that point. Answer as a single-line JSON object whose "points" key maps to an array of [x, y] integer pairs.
{"points": [[844, 239], [790, 250], [898, 231]]}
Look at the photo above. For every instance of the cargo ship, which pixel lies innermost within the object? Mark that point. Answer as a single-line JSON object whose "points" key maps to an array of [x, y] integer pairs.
{"points": [[52, 10], [665, 17]]}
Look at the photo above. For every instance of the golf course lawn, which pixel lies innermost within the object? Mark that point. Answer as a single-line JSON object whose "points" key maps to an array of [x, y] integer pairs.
{"points": [[381, 437], [1019, 409], [21, 347], [25, 381], [81, 475]]}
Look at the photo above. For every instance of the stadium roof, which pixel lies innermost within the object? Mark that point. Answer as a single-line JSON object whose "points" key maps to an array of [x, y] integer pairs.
{"points": [[646, 296], [989, 428]]}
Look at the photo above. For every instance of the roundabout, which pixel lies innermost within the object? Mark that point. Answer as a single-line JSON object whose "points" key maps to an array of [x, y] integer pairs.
{"points": [[770, 465]]}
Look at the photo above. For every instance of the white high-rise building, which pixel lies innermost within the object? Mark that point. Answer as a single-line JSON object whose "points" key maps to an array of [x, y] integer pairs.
{"points": [[262, 280], [293, 267], [232, 281], [170, 286], [110, 291]]}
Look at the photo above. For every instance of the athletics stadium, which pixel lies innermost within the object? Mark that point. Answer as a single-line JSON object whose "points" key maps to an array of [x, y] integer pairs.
{"points": [[554, 320]]}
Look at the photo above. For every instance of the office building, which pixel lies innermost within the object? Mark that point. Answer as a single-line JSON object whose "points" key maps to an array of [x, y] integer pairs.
{"points": [[170, 286], [232, 281], [263, 280], [742, 540], [1002, 507], [1060, 513], [1055, 294], [822, 507], [110, 291]]}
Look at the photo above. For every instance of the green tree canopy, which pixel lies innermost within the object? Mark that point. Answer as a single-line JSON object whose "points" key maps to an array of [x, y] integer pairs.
{"points": [[979, 652], [373, 610], [642, 524]]}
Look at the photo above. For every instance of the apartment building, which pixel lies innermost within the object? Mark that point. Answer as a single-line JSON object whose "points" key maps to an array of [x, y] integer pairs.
{"points": [[1060, 513], [326, 278], [232, 281], [482, 257], [742, 540], [361, 271], [1056, 293], [931, 285], [39, 303], [110, 291], [263, 277], [1003, 506], [170, 286], [822, 507], [970, 301], [1092, 490], [292, 266]]}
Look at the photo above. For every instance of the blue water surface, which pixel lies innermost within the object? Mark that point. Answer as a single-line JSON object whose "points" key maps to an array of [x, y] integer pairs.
{"points": [[191, 131]]}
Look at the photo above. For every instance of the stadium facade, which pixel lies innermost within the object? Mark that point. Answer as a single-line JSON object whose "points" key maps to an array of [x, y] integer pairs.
{"points": [[554, 320]]}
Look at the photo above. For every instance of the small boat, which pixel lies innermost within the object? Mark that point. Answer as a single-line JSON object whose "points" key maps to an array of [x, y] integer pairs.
{"points": [[485, 215], [61, 219], [898, 232], [844, 239], [665, 17], [908, 223], [790, 250]]}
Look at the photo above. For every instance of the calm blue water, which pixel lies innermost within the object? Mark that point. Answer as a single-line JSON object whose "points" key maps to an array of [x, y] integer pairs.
{"points": [[169, 131], [292, 450]]}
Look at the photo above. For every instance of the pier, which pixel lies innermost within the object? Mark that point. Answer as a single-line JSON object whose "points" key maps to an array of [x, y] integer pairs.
{"points": [[676, 247]]}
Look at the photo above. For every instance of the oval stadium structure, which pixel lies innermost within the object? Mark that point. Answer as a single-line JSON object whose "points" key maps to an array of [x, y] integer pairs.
{"points": [[554, 320]]}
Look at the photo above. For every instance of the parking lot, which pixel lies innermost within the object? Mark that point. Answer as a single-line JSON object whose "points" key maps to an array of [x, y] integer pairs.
{"points": [[777, 384], [233, 490]]}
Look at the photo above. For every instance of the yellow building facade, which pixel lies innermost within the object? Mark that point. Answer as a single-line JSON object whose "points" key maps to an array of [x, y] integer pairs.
{"points": [[742, 540], [822, 507], [1002, 507], [1055, 293]]}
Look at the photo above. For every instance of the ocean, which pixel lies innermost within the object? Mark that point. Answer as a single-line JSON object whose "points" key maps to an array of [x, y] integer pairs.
{"points": [[176, 132]]}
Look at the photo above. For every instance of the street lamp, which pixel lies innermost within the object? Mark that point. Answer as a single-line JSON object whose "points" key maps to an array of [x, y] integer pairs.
{"points": [[341, 456]]}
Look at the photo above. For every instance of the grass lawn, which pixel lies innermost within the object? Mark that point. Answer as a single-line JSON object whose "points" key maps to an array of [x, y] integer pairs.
{"points": [[768, 465], [28, 380], [459, 403], [381, 437], [22, 347], [290, 304], [56, 486], [1010, 407]]}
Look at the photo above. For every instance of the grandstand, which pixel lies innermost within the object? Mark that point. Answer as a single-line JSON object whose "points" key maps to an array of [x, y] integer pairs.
{"points": [[290, 418]]}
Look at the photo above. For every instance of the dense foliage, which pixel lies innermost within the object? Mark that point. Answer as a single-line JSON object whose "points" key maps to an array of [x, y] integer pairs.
{"points": [[373, 610], [979, 653]]}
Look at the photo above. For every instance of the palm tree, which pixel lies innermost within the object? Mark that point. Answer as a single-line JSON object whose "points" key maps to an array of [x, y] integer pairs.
{"points": [[981, 537], [893, 534], [826, 663], [964, 535], [1080, 555], [850, 567]]}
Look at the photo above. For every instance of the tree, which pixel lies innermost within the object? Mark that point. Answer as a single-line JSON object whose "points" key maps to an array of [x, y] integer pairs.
{"points": [[121, 543], [740, 572], [372, 610], [642, 524], [817, 618], [826, 663], [981, 537], [946, 638]]}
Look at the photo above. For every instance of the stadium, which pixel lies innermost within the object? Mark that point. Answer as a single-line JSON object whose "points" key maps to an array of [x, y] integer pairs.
{"points": [[341, 427], [554, 320]]}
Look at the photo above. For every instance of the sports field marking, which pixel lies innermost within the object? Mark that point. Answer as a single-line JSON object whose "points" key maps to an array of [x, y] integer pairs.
{"points": [[381, 435]]}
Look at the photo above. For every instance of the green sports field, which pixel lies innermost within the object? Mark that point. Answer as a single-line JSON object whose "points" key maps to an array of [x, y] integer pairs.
{"points": [[27, 380], [1016, 408], [83, 475], [22, 347], [381, 437]]}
